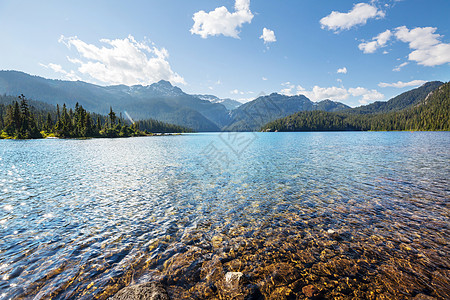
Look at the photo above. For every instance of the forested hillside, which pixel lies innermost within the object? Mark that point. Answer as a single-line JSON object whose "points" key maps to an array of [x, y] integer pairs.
{"points": [[399, 102], [21, 118], [432, 113]]}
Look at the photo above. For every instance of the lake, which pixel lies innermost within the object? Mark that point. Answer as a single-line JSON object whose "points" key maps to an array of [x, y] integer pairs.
{"points": [[345, 214]]}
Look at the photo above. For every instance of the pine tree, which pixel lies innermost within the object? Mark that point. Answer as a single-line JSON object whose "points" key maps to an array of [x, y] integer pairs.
{"points": [[112, 117]]}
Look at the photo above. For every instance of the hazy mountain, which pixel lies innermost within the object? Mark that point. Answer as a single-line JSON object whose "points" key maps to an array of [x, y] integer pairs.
{"points": [[254, 114], [230, 104]]}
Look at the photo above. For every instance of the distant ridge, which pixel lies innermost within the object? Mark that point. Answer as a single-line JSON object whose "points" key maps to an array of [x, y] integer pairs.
{"points": [[254, 114], [160, 101], [399, 102], [167, 103], [423, 108]]}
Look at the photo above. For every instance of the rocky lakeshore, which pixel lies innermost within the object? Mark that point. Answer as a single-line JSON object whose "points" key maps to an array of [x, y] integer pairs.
{"points": [[299, 257]]}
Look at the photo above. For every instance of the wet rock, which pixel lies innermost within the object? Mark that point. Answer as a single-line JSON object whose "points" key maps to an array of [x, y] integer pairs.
{"points": [[281, 293], [185, 268], [143, 291], [283, 273], [232, 279], [310, 291], [253, 293]]}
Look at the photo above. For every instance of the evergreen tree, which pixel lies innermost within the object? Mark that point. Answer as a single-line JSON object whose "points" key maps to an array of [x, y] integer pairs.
{"points": [[112, 117], [49, 123]]}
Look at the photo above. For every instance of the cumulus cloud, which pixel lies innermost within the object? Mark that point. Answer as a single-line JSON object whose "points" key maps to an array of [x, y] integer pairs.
{"points": [[332, 93], [342, 70], [376, 43], [122, 61], [428, 49], [222, 22], [268, 36], [367, 95], [321, 93], [401, 84], [360, 13]]}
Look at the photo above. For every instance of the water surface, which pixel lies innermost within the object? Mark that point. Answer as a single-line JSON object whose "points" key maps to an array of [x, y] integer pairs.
{"points": [[354, 214]]}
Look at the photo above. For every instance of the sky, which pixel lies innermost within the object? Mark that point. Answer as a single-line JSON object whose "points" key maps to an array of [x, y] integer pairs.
{"points": [[348, 51]]}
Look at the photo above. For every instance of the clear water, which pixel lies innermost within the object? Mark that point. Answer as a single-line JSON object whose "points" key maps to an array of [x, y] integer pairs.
{"points": [[83, 218]]}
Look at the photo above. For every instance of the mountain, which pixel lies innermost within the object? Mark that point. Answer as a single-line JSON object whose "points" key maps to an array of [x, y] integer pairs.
{"points": [[399, 102], [254, 114], [230, 104], [160, 101], [430, 112]]}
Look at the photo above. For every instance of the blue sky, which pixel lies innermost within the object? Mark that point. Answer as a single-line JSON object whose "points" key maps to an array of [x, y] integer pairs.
{"points": [[348, 51]]}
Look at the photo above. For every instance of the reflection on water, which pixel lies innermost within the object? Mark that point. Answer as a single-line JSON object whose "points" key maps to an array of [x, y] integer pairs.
{"points": [[333, 215]]}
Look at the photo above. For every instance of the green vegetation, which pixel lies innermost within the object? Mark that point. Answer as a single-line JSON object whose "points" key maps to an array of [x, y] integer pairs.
{"points": [[402, 101], [20, 120], [432, 113]]}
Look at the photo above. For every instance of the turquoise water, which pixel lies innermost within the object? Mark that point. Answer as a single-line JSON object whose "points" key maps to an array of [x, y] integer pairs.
{"points": [[83, 218]]}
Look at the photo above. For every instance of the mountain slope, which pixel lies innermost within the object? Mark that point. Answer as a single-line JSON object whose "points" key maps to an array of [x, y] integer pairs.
{"points": [[430, 113], [399, 102], [254, 114], [160, 101]]}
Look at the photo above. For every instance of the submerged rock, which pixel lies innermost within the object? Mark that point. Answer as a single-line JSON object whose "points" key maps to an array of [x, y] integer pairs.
{"points": [[232, 279], [310, 291], [143, 291]]}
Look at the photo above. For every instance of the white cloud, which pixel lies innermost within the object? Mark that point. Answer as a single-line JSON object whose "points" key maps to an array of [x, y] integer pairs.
{"points": [[359, 15], [288, 89], [321, 93], [367, 95], [234, 92], [59, 69], [268, 36], [376, 43], [428, 49], [401, 84], [222, 22], [342, 70], [122, 61], [264, 78], [400, 66], [359, 91], [333, 93], [419, 37]]}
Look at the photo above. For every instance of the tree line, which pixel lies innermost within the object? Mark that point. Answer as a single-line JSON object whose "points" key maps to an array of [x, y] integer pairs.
{"points": [[19, 120], [432, 114]]}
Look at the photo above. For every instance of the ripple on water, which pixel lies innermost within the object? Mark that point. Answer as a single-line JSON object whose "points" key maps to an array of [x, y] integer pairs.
{"points": [[335, 215]]}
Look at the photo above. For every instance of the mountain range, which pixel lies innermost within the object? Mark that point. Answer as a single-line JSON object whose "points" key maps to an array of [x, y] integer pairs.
{"points": [[424, 108], [164, 102]]}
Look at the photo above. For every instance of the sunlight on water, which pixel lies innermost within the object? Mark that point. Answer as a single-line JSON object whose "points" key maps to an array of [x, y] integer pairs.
{"points": [[353, 214]]}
